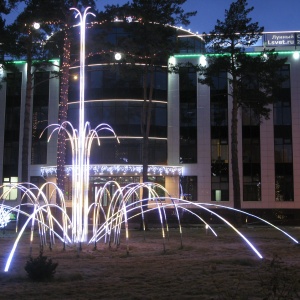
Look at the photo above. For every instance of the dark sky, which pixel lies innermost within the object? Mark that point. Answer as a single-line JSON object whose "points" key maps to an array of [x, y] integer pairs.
{"points": [[274, 15]]}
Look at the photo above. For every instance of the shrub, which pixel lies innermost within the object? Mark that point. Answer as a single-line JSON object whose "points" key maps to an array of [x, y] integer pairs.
{"points": [[40, 268], [279, 281]]}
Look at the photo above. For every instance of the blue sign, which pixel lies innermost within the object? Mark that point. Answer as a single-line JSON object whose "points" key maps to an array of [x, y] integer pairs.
{"points": [[281, 39]]}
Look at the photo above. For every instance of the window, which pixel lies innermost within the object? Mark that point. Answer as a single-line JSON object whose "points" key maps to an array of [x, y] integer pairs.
{"points": [[40, 118], [251, 145], [9, 192], [97, 182], [284, 178], [118, 82], [283, 144], [12, 125], [251, 182], [189, 188], [191, 44], [284, 187], [124, 117], [219, 138], [220, 195], [188, 115]]}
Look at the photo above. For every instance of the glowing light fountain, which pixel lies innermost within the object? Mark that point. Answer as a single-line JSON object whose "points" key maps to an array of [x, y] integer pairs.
{"points": [[81, 142], [121, 208]]}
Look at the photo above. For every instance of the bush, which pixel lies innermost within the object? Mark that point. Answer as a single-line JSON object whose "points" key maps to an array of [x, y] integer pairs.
{"points": [[279, 281], [40, 268]]}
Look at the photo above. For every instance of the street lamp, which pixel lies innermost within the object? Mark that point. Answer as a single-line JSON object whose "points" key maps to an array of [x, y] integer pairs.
{"points": [[118, 56], [296, 55], [36, 25]]}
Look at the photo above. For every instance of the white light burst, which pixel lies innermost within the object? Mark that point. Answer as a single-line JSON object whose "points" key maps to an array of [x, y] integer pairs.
{"points": [[4, 217]]}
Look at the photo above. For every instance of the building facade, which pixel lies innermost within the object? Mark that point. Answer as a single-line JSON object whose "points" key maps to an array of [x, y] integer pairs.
{"points": [[190, 132]]}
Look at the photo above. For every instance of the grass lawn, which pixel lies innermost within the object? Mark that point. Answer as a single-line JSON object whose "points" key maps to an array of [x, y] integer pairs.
{"points": [[201, 266]]}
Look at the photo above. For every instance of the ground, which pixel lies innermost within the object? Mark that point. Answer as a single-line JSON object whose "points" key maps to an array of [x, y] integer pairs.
{"points": [[200, 266]]}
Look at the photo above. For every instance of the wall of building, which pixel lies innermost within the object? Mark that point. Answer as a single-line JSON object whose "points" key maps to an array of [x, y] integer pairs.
{"points": [[202, 168]]}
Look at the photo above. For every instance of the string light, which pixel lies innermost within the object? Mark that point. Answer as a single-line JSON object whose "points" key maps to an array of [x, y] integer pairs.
{"points": [[95, 170]]}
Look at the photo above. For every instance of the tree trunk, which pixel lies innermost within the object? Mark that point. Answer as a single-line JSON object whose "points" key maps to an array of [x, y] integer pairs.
{"points": [[26, 130], [145, 128], [27, 114], [146, 119], [235, 157], [63, 112]]}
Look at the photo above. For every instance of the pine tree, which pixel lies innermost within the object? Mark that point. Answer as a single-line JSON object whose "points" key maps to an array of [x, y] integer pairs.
{"points": [[151, 40], [252, 79], [56, 20]]}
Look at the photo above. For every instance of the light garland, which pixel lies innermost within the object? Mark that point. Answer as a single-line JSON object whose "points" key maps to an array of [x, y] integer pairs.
{"points": [[63, 108], [108, 170]]}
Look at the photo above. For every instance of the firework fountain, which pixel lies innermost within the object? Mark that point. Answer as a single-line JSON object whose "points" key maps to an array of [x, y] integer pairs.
{"points": [[105, 224]]}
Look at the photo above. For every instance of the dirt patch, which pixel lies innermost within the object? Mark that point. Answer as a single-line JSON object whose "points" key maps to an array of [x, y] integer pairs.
{"points": [[198, 266]]}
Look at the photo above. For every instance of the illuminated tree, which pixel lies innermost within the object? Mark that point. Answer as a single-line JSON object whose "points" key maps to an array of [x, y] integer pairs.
{"points": [[65, 18], [61, 18]]}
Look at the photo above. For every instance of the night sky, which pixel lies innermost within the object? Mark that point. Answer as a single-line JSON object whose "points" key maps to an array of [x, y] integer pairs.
{"points": [[274, 15]]}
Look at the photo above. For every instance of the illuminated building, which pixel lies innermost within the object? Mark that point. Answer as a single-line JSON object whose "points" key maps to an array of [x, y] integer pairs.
{"points": [[190, 132]]}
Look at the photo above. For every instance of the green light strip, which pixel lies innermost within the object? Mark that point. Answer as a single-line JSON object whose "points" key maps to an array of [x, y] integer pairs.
{"points": [[218, 54], [187, 55], [18, 62]]}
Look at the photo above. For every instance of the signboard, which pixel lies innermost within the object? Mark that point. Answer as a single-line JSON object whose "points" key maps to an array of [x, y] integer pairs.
{"points": [[298, 39], [281, 39]]}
